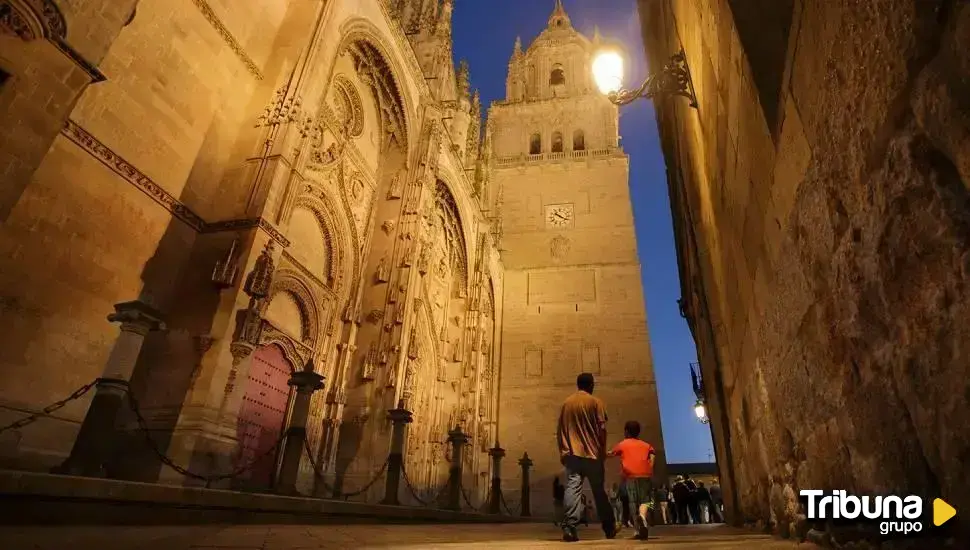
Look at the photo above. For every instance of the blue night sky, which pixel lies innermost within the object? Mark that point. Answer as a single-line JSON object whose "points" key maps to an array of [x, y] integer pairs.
{"points": [[484, 34]]}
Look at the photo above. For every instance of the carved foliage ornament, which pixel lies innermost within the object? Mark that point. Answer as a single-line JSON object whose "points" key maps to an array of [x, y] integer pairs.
{"points": [[347, 106], [373, 70], [31, 19]]}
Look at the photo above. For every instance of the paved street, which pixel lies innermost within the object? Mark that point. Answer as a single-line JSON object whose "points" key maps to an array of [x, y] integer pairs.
{"points": [[359, 537]]}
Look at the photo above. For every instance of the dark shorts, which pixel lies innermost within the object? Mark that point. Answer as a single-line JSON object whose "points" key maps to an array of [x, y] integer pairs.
{"points": [[639, 490]]}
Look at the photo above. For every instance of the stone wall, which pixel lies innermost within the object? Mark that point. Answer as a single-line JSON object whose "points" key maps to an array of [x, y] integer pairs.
{"points": [[824, 235], [95, 225]]}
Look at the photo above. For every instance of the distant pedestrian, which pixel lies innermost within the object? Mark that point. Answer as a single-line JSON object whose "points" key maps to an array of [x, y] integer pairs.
{"points": [[663, 496], [704, 503], [681, 498], [582, 449]]}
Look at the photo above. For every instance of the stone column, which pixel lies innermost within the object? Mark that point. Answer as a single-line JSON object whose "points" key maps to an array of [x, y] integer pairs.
{"points": [[98, 437], [526, 463], [306, 382], [495, 499], [458, 440], [400, 417]]}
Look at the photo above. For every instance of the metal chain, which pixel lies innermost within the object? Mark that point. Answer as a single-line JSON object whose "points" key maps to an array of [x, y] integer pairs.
{"points": [[414, 493], [468, 501], [208, 479], [46, 411], [320, 476], [506, 505]]}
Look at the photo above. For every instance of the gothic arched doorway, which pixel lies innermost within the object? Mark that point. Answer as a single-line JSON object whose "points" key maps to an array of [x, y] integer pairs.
{"points": [[261, 416]]}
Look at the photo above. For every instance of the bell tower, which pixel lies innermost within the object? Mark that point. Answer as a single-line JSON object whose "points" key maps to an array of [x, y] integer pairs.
{"points": [[573, 299]]}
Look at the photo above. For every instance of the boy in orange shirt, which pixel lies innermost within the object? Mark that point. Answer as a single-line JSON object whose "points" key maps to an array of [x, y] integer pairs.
{"points": [[636, 460]]}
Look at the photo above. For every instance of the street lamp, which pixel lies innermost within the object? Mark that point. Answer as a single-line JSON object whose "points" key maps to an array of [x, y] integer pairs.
{"points": [[672, 80], [701, 411]]}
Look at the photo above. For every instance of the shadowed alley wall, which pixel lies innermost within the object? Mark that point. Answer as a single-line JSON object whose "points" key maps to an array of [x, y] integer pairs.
{"points": [[822, 212]]}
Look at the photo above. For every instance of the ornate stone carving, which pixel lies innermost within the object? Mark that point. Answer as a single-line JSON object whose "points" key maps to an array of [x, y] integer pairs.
{"points": [[414, 345], [260, 279], [348, 107], [83, 139], [15, 19], [383, 273], [425, 258], [234, 45], [375, 316], [369, 367], [397, 184], [400, 310], [388, 226]]}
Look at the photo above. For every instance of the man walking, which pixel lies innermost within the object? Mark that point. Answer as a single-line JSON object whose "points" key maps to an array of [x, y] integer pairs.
{"points": [[582, 450], [636, 461]]}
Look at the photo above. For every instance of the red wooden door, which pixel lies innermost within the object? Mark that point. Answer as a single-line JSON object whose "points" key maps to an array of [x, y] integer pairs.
{"points": [[262, 415]]}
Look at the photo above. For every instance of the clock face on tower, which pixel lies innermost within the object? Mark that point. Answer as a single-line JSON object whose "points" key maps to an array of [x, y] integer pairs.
{"points": [[559, 215]]}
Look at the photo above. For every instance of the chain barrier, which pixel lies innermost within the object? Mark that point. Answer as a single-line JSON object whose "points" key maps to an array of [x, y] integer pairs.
{"points": [[46, 411], [506, 505], [321, 477], [236, 472], [468, 501], [208, 479], [414, 492]]}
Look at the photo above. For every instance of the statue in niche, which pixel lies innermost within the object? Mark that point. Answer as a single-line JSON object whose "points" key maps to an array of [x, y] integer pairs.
{"points": [[399, 313], [481, 406], [424, 259], [383, 274], [391, 378], [369, 368], [442, 271], [414, 350], [456, 352], [397, 185]]}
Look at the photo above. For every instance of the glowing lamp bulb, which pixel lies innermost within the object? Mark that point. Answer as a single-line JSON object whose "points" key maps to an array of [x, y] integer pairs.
{"points": [[700, 411], [608, 71]]}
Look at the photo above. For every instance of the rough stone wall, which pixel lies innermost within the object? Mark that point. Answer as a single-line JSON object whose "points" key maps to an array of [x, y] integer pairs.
{"points": [[831, 247]]}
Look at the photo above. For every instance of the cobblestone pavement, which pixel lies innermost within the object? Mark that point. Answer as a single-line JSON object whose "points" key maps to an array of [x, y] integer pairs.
{"points": [[360, 537]]}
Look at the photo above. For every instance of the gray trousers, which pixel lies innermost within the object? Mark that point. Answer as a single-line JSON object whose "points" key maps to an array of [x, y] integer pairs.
{"points": [[578, 470]]}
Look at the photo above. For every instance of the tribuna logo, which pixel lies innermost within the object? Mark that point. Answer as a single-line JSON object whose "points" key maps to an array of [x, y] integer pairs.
{"points": [[897, 514]]}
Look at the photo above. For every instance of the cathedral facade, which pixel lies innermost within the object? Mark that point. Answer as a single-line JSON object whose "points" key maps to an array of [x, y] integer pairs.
{"points": [[306, 185]]}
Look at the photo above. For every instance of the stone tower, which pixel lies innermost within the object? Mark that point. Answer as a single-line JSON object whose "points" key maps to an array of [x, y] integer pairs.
{"points": [[573, 294]]}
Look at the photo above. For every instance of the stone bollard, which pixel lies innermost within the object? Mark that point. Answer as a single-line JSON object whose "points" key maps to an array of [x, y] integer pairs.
{"points": [[97, 440], [306, 382], [495, 498], [458, 439], [526, 463], [400, 418]]}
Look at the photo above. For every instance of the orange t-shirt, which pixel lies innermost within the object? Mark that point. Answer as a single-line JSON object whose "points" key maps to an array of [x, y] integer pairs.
{"points": [[635, 457]]}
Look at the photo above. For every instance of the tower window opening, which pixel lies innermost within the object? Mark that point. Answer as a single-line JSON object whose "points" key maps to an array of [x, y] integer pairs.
{"points": [[557, 142], [557, 77], [579, 141], [535, 144]]}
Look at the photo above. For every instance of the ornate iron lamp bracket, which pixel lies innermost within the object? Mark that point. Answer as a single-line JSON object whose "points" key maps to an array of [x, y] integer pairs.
{"points": [[673, 80]]}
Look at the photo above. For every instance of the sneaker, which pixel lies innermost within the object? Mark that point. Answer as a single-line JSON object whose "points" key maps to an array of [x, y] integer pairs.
{"points": [[642, 529], [569, 534]]}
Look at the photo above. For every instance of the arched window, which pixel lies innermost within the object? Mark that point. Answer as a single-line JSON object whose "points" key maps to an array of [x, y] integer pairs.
{"points": [[535, 144], [557, 77], [557, 142], [579, 141]]}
